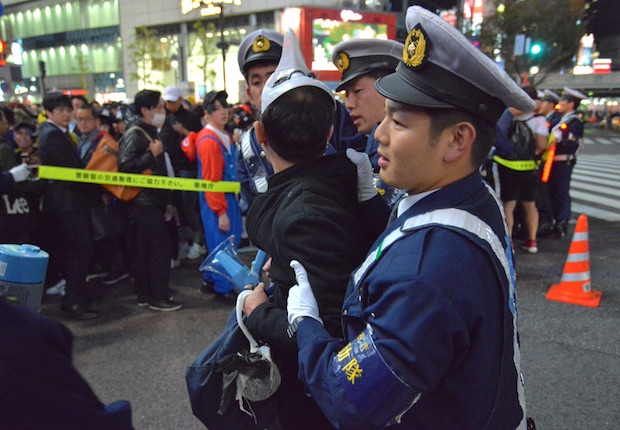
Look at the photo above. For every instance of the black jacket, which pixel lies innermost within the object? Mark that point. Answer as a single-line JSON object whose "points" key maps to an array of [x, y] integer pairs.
{"points": [[171, 139], [310, 213], [134, 157], [58, 149]]}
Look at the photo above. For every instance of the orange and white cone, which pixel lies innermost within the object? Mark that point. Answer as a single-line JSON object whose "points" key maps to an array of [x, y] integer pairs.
{"points": [[575, 286]]}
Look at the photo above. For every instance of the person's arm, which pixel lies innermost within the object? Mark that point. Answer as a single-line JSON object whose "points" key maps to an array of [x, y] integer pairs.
{"points": [[134, 155], [213, 165]]}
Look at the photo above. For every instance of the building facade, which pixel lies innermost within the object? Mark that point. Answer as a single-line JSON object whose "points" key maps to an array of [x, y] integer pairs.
{"points": [[110, 49]]}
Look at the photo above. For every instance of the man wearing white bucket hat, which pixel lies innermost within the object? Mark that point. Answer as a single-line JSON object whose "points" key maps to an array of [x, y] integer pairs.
{"points": [[429, 317], [309, 211]]}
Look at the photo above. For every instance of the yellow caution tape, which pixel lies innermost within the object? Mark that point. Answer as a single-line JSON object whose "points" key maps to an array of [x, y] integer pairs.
{"points": [[136, 180], [520, 165]]}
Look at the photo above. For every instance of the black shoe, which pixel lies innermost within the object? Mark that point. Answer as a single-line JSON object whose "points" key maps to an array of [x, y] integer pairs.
{"points": [[227, 299], [142, 302], [560, 230], [114, 278], [207, 287], [165, 305], [79, 312]]}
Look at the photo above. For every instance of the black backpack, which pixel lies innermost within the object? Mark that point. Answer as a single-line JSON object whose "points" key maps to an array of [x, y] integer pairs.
{"points": [[523, 141]]}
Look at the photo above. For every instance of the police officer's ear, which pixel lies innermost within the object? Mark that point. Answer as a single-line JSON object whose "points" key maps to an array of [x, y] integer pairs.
{"points": [[460, 140], [261, 136]]}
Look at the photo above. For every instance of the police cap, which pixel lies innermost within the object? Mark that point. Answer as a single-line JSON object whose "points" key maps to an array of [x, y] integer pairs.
{"points": [[260, 45], [441, 69], [573, 95], [358, 57], [550, 96]]}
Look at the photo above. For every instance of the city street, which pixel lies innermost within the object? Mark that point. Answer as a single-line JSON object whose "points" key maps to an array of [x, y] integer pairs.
{"points": [[570, 353]]}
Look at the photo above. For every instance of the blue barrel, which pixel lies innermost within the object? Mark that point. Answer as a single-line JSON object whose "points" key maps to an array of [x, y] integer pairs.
{"points": [[22, 274]]}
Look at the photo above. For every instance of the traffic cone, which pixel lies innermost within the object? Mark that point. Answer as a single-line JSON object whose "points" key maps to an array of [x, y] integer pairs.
{"points": [[575, 286]]}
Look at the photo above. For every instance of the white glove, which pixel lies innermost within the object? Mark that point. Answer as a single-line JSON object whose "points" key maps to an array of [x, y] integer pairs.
{"points": [[301, 301], [20, 173], [365, 188], [557, 135]]}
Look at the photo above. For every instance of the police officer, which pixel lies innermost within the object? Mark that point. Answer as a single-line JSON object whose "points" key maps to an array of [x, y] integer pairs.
{"points": [[429, 318], [568, 133], [362, 62], [548, 101], [259, 54]]}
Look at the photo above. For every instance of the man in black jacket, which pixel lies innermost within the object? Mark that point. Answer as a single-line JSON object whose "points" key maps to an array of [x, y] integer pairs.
{"points": [[67, 206], [310, 209], [179, 122], [139, 149]]}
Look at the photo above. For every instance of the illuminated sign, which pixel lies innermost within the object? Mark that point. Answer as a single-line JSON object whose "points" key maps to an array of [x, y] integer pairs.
{"points": [[188, 6], [319, 30]]}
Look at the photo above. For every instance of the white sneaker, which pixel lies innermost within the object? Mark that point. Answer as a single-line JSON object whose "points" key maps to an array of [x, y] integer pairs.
{"points": [[57, 289], [183, 250], [174, 263], [195, 251]]}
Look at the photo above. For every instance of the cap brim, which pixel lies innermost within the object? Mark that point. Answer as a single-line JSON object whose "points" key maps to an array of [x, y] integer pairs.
{"points": [[344, 82], [394, 87]]}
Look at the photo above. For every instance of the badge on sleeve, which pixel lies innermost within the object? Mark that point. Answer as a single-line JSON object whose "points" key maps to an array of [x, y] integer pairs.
{"points": [[368, 381]]}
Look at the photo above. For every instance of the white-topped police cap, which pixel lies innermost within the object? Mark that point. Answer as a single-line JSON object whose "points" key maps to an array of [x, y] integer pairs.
{"points": [[577, 95], [550, 96], [441, 69], [357, 57], [291, 73], [265, 45]]}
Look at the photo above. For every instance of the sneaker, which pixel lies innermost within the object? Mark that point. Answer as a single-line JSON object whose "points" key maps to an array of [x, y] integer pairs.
{"points": [[194, 252], [142, 302], [530, 246], [92, 276], [165, 305], [174, 263], [113, 278], [57, 289], [183, 250]]}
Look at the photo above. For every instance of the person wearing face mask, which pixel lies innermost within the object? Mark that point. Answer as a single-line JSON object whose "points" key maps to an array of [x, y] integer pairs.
{"points": [[140, 149]]}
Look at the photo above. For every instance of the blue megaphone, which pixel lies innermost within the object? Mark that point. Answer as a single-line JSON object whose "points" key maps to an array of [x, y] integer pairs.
{"points": [[225, 261]]}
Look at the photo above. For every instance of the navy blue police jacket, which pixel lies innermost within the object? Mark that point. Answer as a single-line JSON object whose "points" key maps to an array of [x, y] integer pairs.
{"points": [[430, 338], [572, 134]]}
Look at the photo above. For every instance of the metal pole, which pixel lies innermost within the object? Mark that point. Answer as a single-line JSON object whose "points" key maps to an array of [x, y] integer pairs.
{"points": [[223, 45]]}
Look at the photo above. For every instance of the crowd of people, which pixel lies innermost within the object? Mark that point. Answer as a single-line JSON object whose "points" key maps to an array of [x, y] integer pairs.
{"points": [[420, 348]]}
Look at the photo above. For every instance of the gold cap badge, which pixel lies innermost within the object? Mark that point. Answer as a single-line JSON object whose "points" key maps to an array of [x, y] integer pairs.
{"points": [[416, 48], [342, 62], [261, 44]]}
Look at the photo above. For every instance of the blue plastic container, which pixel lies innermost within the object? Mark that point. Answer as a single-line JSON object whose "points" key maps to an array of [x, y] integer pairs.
{"points": [[22, 274]]}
